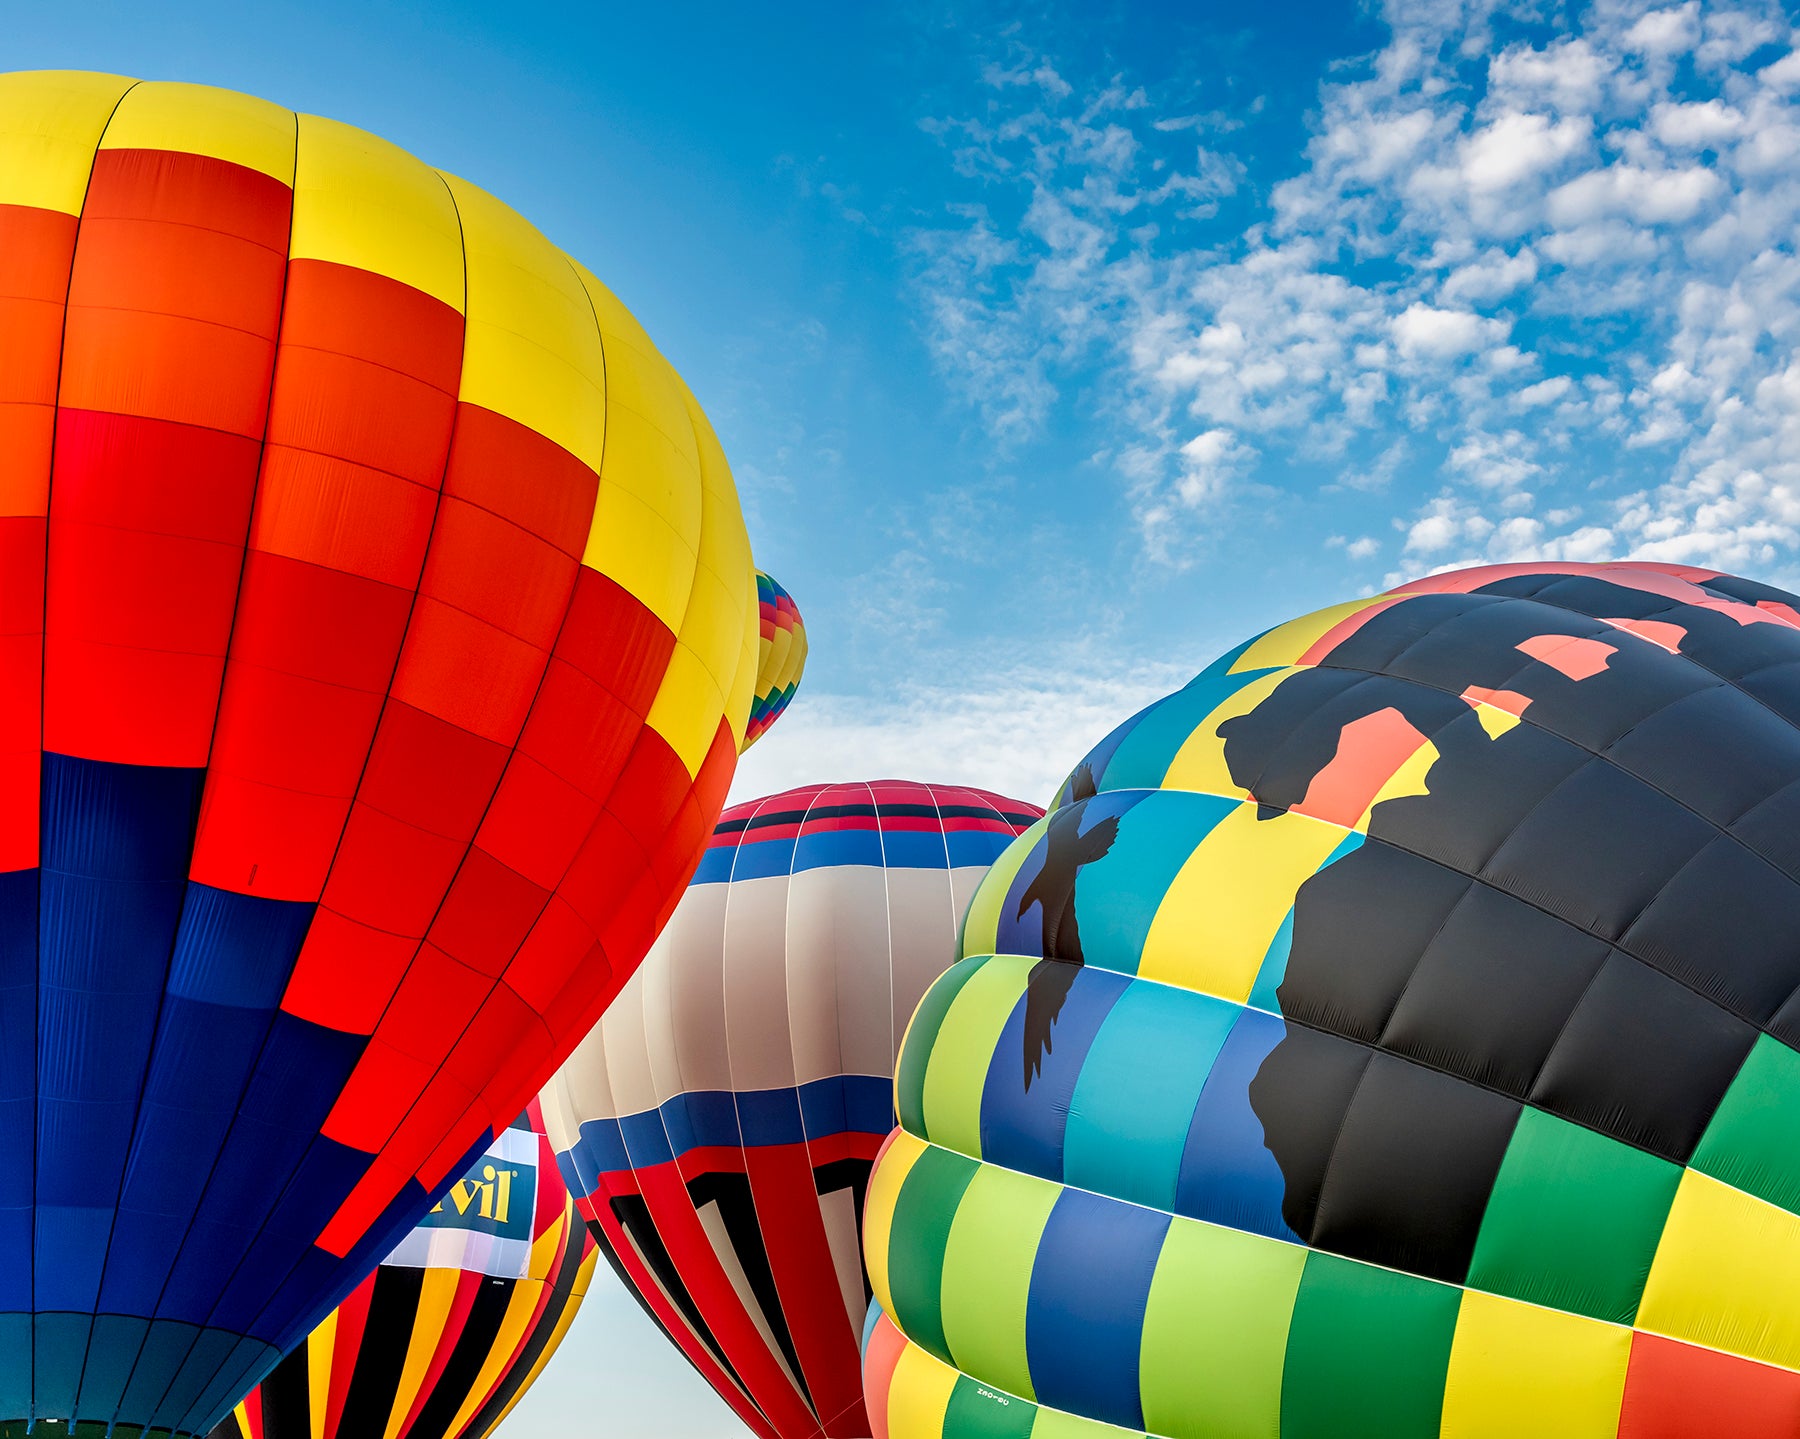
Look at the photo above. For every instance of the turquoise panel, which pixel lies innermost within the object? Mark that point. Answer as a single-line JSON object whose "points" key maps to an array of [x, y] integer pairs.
{"points": [[1143, 757], [1134, 1102]]}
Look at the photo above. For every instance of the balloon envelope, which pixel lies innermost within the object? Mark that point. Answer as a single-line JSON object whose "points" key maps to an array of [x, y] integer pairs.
{"points": [[719, 1122], [781, 656], [452, 1327], [380, 630], [1392, 1033]]}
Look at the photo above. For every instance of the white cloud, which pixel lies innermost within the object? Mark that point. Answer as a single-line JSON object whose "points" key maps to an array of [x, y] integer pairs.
{"points": [[1423, 330], [1520, 147]]}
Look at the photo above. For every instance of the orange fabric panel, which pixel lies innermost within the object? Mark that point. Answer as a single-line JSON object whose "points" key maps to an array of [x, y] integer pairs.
{"points": [[21, 679], [346, 973], [491, 450], [36, 250], [1674, 1391]]}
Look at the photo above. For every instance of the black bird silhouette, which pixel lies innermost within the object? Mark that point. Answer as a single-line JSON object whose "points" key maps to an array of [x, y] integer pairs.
{"points": [[1067, 847]]}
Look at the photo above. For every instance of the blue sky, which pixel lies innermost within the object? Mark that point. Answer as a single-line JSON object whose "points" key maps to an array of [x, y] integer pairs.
{"points": [[1057, 347]]}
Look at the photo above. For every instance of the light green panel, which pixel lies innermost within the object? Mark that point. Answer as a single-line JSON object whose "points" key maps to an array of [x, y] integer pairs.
{"points": [[987, 1275], [957, 1069], [1216, 1333], [981, 925]]}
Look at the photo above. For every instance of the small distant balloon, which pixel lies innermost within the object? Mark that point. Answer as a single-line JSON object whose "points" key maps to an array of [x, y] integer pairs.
{"points": [[781, 656]]}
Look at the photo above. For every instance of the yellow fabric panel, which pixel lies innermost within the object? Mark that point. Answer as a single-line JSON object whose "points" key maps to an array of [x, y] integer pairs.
{"points": [[918, 1395], [436, 1291], [520, 1308], [965, 1042], [1284, 644], [687, 708], [50, 125], [646, 527], [203, 120], [532, 351], [878, 1210], [321, 1349], [724, 628], [1199, 765], [579, 1292], [1216, 921], [742, 693], [1727, 1274], [1495, 720], [1519, 1369], [362, 202]]}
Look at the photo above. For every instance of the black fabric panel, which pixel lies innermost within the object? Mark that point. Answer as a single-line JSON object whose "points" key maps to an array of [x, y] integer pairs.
{"points": [[393, 1310], [1598, 849], [1778, 687], [1729, 926], [1301, 1093], [226, 1428], [1772, 829], [1409, 1180], [561, 1285], [677, 1291], [1493, 991], [1751, 592], [1481, 791], [287, 1398], [471, 1351], [1718, 751], [1644, 1059], [737, 1207], [1360, 926], [1381, 639]]}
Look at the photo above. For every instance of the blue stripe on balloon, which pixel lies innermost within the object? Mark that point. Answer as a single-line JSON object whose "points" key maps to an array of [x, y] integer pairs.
{"points": [[830, 848], [1084, 1311]]}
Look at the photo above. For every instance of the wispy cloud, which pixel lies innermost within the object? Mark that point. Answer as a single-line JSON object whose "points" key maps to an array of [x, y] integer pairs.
{"points": [[1543, 273]]}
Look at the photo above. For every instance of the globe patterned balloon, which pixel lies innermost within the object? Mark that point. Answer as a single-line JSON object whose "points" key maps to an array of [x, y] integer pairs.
{"points": [[1392, 1033]]}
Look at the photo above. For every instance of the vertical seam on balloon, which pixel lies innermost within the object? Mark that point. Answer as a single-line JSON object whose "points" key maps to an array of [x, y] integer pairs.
{"points": [[37, 1079], [436, 505], [187, 885]]}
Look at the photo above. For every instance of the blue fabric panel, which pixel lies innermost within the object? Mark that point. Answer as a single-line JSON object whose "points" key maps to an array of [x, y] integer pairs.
{"points": [[869, 1103], [15, 1377], [703, 1118], [1084, 1314], [322, 1182], [244, 1368], [646, 1140], [237, 949], [870, 1320], [166, 1347], [715, 865], [116, 840], [914, 849], [1021, 924], [1023, 1128], [1142, 757], [110, 1359], [18, 1085], [212, 1347], [1135, 1101], [297, 1077], [822, 1107], [770, 1116], [825, 849], [59, 1349], [1228, 1175], [599, 1149], [970, 848], [571, 1176], [763, 858]]}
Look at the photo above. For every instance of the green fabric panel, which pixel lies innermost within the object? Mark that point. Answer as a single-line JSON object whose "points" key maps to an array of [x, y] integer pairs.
{"points": [[1059, 1424], [921, 1035], [977, 1412], [923, 1214], [1573, 1220], [981, 925], [957, 1068], [1367, 1352], [1216, 1333], [1750, 1142], [1139, 1086], [987, 1275], [1118, 895]]}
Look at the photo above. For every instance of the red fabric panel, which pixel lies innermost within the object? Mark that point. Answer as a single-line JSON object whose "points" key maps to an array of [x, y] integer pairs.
{"points": [[358, 436], [885, 1348], [467, 1285], [174, 299], [793, 1233], [1677, 1391], [21, 681], [352, 1320]]}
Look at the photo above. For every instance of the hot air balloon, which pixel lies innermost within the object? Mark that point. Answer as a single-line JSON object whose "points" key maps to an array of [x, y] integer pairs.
{"points": [[379, 635], [1392, 1033], [781, 656], [718, 1124], [450, 1330]]}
